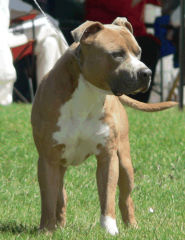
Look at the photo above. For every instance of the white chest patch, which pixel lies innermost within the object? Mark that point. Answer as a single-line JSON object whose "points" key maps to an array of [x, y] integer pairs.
{"points": [[81, 129]]}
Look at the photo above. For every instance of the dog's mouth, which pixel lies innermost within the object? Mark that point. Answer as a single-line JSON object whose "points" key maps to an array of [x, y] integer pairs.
{"points": [[118, 94], [141, 89]]}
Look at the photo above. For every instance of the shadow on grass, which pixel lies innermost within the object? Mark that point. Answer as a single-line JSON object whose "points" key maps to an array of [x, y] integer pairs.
{"points": [[15, 228]]}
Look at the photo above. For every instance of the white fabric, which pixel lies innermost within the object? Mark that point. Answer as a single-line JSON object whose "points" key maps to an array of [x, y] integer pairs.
{"points": [[46, 57], [7, 70], [175, 17]]}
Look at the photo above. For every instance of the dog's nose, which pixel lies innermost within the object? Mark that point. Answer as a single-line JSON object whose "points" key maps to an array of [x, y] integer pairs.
{"points": [[145, 74]]}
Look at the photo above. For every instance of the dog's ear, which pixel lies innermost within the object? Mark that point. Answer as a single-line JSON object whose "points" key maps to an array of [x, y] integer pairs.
{"points": [[85, 30], [122, 21]]}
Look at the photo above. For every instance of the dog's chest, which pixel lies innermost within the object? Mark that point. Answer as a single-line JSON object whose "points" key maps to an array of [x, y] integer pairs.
{"points": [[81, 129]]}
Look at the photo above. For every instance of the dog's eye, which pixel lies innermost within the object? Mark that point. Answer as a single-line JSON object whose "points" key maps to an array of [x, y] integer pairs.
{"points": [[117, 55]]}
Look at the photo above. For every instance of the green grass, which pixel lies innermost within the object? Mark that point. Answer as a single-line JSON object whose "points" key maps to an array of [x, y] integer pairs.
{"points": [[158, 153]]}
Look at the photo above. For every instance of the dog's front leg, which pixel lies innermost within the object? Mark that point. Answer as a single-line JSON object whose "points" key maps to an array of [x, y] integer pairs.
{"points": [[62, 200], [49, 180], [126, 182], [107, 179]]}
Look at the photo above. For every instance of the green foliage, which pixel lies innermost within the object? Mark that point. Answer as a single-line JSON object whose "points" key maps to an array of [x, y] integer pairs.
{"points": [[158, 152]]}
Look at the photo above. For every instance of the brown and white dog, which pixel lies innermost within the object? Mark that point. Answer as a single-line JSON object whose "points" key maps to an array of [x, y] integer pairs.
{"points": [[78, 111]]}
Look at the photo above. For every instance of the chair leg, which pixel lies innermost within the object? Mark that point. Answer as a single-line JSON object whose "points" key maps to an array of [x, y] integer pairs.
{"points": [[161, 73], [175, 83], [29, 74], [31, 89], [20, 95]]}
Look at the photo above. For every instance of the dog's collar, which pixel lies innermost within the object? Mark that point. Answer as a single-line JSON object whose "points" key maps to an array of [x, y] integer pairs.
{"points": [[77, 55]]}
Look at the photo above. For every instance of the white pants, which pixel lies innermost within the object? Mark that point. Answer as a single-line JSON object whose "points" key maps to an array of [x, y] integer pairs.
{"points": [[7, 70], [47, 52]]}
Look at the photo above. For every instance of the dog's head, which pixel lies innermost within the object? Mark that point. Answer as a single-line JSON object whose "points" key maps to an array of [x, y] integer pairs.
{"points": [[110, 57]]}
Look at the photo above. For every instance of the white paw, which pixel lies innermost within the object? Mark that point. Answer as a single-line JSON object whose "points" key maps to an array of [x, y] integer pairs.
{"points": [[109, 224]]}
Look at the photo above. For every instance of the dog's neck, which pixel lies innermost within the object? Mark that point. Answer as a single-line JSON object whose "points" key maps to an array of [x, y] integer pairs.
{"points": [[77, 56], [93, 88]]}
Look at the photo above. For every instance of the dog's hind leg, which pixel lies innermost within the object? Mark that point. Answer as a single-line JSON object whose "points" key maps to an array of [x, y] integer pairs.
{"points": [[125, 183], [107, 179], [62, 200], [49, 180]]}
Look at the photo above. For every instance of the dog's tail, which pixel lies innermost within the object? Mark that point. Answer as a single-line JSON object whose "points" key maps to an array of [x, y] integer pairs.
{"points": [[146, 107]]}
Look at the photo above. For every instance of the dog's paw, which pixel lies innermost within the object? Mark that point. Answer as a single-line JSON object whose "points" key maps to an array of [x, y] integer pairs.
{"points": [[134, 225], [45, 232], [109, 224]]}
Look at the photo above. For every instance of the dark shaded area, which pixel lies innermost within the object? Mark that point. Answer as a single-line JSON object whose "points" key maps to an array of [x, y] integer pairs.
{"points": [[169, 6], [22, 80], [70, 15], [17, 228]]}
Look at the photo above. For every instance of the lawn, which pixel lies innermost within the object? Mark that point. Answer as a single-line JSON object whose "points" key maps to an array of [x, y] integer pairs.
{"points": [[158, 156]]}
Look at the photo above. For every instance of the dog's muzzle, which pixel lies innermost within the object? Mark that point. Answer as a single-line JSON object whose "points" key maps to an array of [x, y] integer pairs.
{"points": [[127, 82]]}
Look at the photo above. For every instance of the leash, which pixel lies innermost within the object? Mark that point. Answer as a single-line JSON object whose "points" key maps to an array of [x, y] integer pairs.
{"points": [[58, 33]]}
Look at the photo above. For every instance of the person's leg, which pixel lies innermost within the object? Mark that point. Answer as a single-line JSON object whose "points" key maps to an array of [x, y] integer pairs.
{"points": [[150, 56], [7, 70], [47, 52]]}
